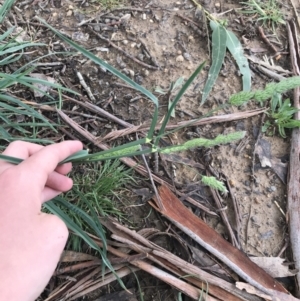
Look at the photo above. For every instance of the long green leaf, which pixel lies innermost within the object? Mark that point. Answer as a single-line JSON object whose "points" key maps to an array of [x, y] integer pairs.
{"points": [[219, 38], [175, 101], [10, 59], [6, 33], [19, 47], [236, 49]]}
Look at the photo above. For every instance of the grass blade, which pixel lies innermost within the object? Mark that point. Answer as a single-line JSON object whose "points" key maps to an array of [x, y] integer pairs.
{"points": [[17, 47], [175, 101], [53, 208], [10, 159], [27, 109], [236, 50], [219, 37], [5, 8], [6, 33]]}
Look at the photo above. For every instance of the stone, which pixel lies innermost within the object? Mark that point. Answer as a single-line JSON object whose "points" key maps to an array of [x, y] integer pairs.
{"points": [[179, 58]]}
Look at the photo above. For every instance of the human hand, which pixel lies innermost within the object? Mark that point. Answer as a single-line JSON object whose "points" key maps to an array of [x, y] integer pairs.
{"points": [[31, 242]]}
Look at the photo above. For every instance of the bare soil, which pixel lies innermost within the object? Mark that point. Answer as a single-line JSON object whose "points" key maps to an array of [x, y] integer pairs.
{"points": [[176, 48]]}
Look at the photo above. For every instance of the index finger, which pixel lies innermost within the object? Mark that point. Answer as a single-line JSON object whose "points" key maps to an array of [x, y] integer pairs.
{"points": [[42, 163]]}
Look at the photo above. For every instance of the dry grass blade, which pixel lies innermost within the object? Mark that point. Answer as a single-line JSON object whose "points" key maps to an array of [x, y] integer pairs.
{"points": [[72, 256], [96, 284], [76, 267], [208, 120]]}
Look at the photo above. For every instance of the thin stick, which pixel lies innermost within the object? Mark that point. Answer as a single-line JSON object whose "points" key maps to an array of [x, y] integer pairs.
{"points": [[217, 198], [85, 86], [266, 40], [160, 205]]}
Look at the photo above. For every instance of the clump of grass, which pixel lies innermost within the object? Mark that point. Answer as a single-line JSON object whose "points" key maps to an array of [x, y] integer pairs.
{"points": [[267, 12], [280, 116], [100, 186]]}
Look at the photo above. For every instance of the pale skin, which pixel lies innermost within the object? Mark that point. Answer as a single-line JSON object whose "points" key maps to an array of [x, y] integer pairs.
{"points": [[31, 242]]}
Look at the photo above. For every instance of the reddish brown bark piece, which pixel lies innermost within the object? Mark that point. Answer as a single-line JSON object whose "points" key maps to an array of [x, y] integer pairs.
{"points": [[184, 219]]}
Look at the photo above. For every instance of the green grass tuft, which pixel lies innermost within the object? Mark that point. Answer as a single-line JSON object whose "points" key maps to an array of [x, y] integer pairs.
{"points": [[100, 186]]}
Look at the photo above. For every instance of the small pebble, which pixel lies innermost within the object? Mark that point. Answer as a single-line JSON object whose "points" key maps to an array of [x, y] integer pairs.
{"points": [[179, 58], [144, 16], [133, 45], [267, 234], [125, 42], [190, 38], [131, 72], [139, 79], [256, 200], [69, 13], [97, 27], [179, 52], [151, 21], [125, 18], [273, 188], [187, 56], [71, 7], [217, 4], [54, 14], [146, 72], [254, 219], [140, 56], [232, 182], [80, 36], [107, 21]]}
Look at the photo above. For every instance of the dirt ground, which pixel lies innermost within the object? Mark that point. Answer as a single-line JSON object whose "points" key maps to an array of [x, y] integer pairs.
{"points": [[159, 36]]}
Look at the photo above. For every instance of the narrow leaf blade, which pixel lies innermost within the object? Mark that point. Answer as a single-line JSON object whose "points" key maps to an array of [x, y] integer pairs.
{"points": [[219, 38], [236, 50]]}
